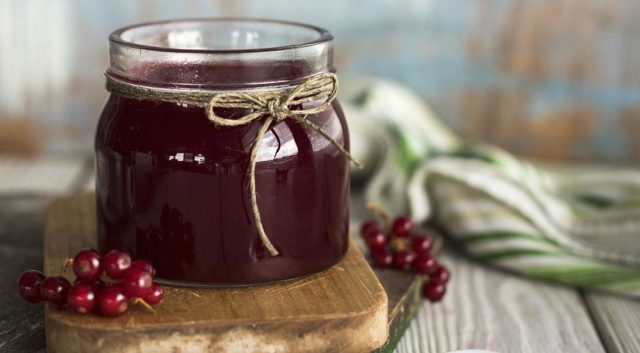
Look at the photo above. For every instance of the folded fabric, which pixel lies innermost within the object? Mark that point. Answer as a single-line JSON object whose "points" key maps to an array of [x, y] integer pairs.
{"points": [[573, 225]]}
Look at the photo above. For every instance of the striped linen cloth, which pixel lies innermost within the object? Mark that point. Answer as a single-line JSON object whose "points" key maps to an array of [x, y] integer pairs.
{"points": [[576, 226]]}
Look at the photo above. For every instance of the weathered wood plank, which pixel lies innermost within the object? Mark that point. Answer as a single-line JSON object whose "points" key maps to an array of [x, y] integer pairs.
{"points": [[23, 198], [549, 78], [23, 229], [21, 326], [487, 309], [405, 298], [617, 320]]}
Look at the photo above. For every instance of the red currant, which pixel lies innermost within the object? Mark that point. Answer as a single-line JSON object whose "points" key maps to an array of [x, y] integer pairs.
{"points": [[367, 226], [82, 297], [112, 301], [29, 286], [55, 289], [87, 264], [376, 240], [425, 264], [440, 274], [137, 283], [402, 226], [156, 295], [421, 244], [382, 258], [116, 263], [144, 265], [433, 291], [403, 260]]}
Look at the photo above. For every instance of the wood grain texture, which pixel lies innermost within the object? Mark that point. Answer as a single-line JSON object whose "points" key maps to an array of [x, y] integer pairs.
{"points": [[21, 229], [549, 91], [342, 309], [617, 320], [486, 309], [21, 324], [404, 290]]}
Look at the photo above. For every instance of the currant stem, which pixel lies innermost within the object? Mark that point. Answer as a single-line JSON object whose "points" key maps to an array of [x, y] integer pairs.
{"points": [[145, 304], [108, 280], [426, 278], [437, 245], [67, 262], [380, 212]]}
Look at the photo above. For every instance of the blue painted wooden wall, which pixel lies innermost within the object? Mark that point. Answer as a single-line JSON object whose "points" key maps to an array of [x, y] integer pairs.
{"points": [[548, 78]]}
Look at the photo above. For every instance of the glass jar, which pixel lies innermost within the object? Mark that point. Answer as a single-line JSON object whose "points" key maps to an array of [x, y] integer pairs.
{"points": [[172, 187]]}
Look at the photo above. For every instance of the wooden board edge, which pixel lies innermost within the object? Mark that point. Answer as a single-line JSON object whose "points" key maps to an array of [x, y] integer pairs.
{"points": [[361, 333], [403, 314]]}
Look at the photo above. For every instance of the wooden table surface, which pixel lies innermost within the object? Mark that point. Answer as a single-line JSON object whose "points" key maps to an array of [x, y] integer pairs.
{"points": [[484, 308]]}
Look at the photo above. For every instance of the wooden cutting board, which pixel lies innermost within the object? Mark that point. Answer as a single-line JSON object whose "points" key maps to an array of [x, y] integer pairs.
{"points": [[344, 309]]}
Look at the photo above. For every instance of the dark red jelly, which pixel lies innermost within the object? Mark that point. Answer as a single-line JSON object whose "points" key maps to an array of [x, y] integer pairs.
{"points": [[172, 187]]}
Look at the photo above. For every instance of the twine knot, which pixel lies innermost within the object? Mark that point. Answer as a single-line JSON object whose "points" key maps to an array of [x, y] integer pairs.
{"points": [[267, 106], [277, 110]]}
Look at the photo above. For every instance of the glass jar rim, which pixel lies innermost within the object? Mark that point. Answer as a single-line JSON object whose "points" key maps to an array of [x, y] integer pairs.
{"points": [[116, 37]]}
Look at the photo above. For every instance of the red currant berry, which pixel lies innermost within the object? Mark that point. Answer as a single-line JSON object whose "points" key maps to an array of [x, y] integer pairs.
{"points": [[112, 301], [433, 291], [367, 226], [440, 275], [421, 244], [144, 265], [55, 289], [29, 286], [156, 295], [116, 263], [402, 226], [82, 298], [137, 283], [87, 264], [403, 260], [382, 258], [377, 240], [425, 264]]}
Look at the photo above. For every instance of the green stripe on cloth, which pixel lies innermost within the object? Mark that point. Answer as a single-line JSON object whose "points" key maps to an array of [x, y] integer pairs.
{"points": [[498, 255], [484, 236], [592, 277]]}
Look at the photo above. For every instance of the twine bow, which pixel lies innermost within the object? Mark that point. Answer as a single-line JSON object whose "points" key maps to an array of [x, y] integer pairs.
{"points": [[270, 106]]}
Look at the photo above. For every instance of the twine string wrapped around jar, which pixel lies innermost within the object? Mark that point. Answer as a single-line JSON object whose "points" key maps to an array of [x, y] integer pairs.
{"points": [[270, 106]]}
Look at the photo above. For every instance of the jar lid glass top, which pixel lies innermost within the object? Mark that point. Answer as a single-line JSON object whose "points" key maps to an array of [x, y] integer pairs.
{"points": [[219, 52]]}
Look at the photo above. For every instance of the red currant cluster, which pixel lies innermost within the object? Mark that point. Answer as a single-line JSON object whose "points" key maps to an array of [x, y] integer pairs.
{"points": [[108, 295], [403, 249]]}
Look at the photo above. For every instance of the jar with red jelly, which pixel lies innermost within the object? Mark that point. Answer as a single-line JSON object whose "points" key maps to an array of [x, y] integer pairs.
{"points": [[174, 187]]}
